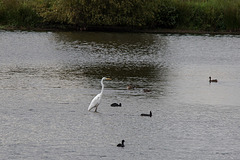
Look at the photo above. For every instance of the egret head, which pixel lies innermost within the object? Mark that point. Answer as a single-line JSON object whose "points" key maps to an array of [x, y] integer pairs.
{"points": [[105, 78]]}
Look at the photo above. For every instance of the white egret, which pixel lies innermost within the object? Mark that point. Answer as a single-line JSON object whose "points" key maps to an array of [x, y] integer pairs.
{"points": [[97, 100]]}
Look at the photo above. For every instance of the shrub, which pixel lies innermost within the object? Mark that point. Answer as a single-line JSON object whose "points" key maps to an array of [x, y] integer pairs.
{"points": [[166, 14], [17, 13]]}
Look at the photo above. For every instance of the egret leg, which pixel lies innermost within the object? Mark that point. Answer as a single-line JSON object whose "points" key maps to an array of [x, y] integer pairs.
{"points": [[96, 109]]}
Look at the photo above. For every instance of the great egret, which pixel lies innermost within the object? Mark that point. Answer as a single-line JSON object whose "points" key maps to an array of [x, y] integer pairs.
{"points": [[121, 144], [212, 80], [96, 100], [149, 115]]}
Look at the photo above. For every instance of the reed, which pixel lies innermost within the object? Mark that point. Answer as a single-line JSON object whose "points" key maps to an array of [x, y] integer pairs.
{"points": [[208, 15], [232, 15], [17, 13]]}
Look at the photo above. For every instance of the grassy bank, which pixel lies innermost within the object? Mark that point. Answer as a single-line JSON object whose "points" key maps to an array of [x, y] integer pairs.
{"points": [[197, 15]]}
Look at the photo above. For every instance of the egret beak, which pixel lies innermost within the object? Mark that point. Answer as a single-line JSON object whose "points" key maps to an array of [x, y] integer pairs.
{"points": [[108, 79]]}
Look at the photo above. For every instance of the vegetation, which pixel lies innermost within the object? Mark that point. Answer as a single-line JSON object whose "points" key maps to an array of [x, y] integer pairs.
{"points": [[206, 15], [18, 13]]}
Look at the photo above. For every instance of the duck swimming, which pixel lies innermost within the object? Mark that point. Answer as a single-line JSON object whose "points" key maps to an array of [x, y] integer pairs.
{"points": [[116, 105], [212, 80], [121, 144], [146, 90], [149, 115], [131, 87]]}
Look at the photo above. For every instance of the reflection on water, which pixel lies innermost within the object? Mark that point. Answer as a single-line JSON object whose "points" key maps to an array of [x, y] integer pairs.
{"points": [[140, 59], [47, 81], [96, 49], [140, 42]]}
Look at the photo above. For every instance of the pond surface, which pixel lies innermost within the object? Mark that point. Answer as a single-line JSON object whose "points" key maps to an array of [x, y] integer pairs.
{"points": [[48, 79]]}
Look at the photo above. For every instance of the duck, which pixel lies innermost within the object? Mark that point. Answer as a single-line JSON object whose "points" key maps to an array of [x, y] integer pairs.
{"points": [[121, 144], [146, 90], [149, 115], [131, 87], [116, 105], [212, 80]]}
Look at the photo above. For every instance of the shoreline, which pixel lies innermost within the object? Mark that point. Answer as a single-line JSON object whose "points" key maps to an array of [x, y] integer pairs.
{"points": [[118, 30]]}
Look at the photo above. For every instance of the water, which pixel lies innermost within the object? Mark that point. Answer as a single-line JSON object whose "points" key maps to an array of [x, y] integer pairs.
{"points": [[47, 80]]}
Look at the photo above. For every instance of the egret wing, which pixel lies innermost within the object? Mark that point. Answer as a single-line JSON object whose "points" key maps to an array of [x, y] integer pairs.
{"points": [[95, 102]]}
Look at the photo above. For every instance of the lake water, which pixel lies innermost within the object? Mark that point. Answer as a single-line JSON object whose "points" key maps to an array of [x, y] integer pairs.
{"points": [[47, 81]]}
